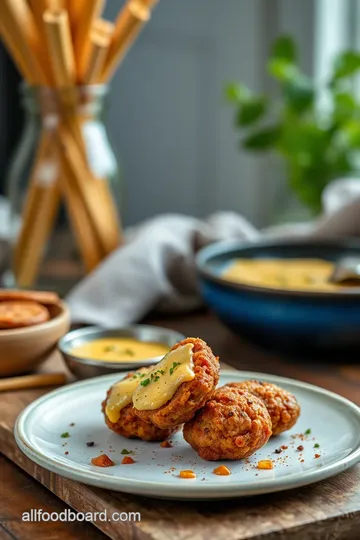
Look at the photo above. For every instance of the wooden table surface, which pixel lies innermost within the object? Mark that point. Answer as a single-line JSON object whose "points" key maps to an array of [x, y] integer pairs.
{"points": [[329, 509]]}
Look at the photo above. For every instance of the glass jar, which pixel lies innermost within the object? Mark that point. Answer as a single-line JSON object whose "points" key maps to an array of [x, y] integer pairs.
{"points": [[60, 264]]}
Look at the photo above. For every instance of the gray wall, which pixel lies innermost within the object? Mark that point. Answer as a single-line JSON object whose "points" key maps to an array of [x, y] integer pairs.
{"points": [[167, 118]]}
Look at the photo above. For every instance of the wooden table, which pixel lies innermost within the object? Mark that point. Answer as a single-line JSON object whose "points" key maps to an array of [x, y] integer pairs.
{"points": [[329, 509]]}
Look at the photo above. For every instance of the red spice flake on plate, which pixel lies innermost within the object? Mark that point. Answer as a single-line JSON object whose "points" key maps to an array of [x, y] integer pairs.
{"points": [[300, 448], [317, 456], [222, 471], [302, 461], [66, 453], [284, 447], [127, 460], [265, 464], [166, 444], [102, 461]]}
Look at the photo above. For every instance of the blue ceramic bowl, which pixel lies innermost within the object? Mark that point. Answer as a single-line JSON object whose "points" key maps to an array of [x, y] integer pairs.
{"points": [[282, 319]]}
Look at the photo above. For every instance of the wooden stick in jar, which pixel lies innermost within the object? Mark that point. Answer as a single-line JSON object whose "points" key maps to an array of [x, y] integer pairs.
{"points": [[101, 35], [38, 7], [39, 220], [20, 58], [92, 10], [72, 143], [21, 35], [89, 246], [149, 3], [91, 189], [60, 45], [100, 44], [32, 381], [75, 9], [61, 50], [129, 23], [102, 26], [31, 207]]}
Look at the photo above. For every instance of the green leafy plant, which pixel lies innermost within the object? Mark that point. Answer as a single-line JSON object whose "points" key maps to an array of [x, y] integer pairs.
{"points": [[316, 146]]}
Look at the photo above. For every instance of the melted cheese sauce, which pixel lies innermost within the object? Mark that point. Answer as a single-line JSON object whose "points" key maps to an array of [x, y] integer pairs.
{"points": [[164, 379], [121, 394], [295, 274], [119, 350]]}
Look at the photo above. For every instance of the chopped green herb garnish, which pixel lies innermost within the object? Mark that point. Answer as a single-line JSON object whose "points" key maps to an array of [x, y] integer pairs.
{"points": [[174, 366], [65, 435], [129, 352], [154, 377], [316, 445], [308, 431], [110, 348], [124, 451]]}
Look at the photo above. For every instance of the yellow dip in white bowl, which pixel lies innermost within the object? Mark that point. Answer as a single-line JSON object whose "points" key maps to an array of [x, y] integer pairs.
{"points": [[119, 349], [89, 352]]}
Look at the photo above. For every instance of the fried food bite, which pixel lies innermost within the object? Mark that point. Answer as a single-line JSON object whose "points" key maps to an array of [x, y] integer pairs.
{"points": [[19, 314], [120, 415], [232, 425], [282, 406], [179, 385], [42, 297]]}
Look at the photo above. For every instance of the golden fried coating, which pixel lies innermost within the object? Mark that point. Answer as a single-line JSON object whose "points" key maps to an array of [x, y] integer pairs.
{"points": [[129, 425], [232, 425], [282, 406], [191, 395]]}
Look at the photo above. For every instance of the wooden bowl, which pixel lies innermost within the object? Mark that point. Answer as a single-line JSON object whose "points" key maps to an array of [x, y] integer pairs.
{"points": [[23, 349]]}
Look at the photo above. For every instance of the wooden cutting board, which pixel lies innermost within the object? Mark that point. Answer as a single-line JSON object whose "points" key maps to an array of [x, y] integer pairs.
{"points": [[329, 509]]}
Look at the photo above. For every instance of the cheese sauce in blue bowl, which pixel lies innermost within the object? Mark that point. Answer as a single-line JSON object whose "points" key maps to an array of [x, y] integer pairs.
{"points": [[282, 318]]}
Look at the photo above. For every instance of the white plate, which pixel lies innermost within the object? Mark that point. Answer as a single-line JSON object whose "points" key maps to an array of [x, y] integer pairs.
{"points": [[333, 420]]}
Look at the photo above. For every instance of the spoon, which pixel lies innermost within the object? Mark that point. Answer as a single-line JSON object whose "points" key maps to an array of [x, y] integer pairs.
{"points": [[346, 269]]}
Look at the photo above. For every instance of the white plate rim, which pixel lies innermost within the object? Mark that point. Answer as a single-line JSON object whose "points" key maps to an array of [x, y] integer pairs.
{"points": [[184, 490]]}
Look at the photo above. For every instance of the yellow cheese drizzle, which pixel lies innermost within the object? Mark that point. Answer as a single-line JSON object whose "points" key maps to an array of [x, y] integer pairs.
{"points": [[161, 383], [121, 394]]}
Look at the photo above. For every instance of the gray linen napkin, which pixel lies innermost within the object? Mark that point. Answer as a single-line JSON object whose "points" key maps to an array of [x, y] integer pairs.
{"points": [[155, 268]]}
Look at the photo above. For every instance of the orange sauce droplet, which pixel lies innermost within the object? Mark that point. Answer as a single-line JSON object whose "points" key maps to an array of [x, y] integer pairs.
{"points": [[187, 474], [222, 471], [127, 460], [166, 444], [102, 461], [265, 464]]}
